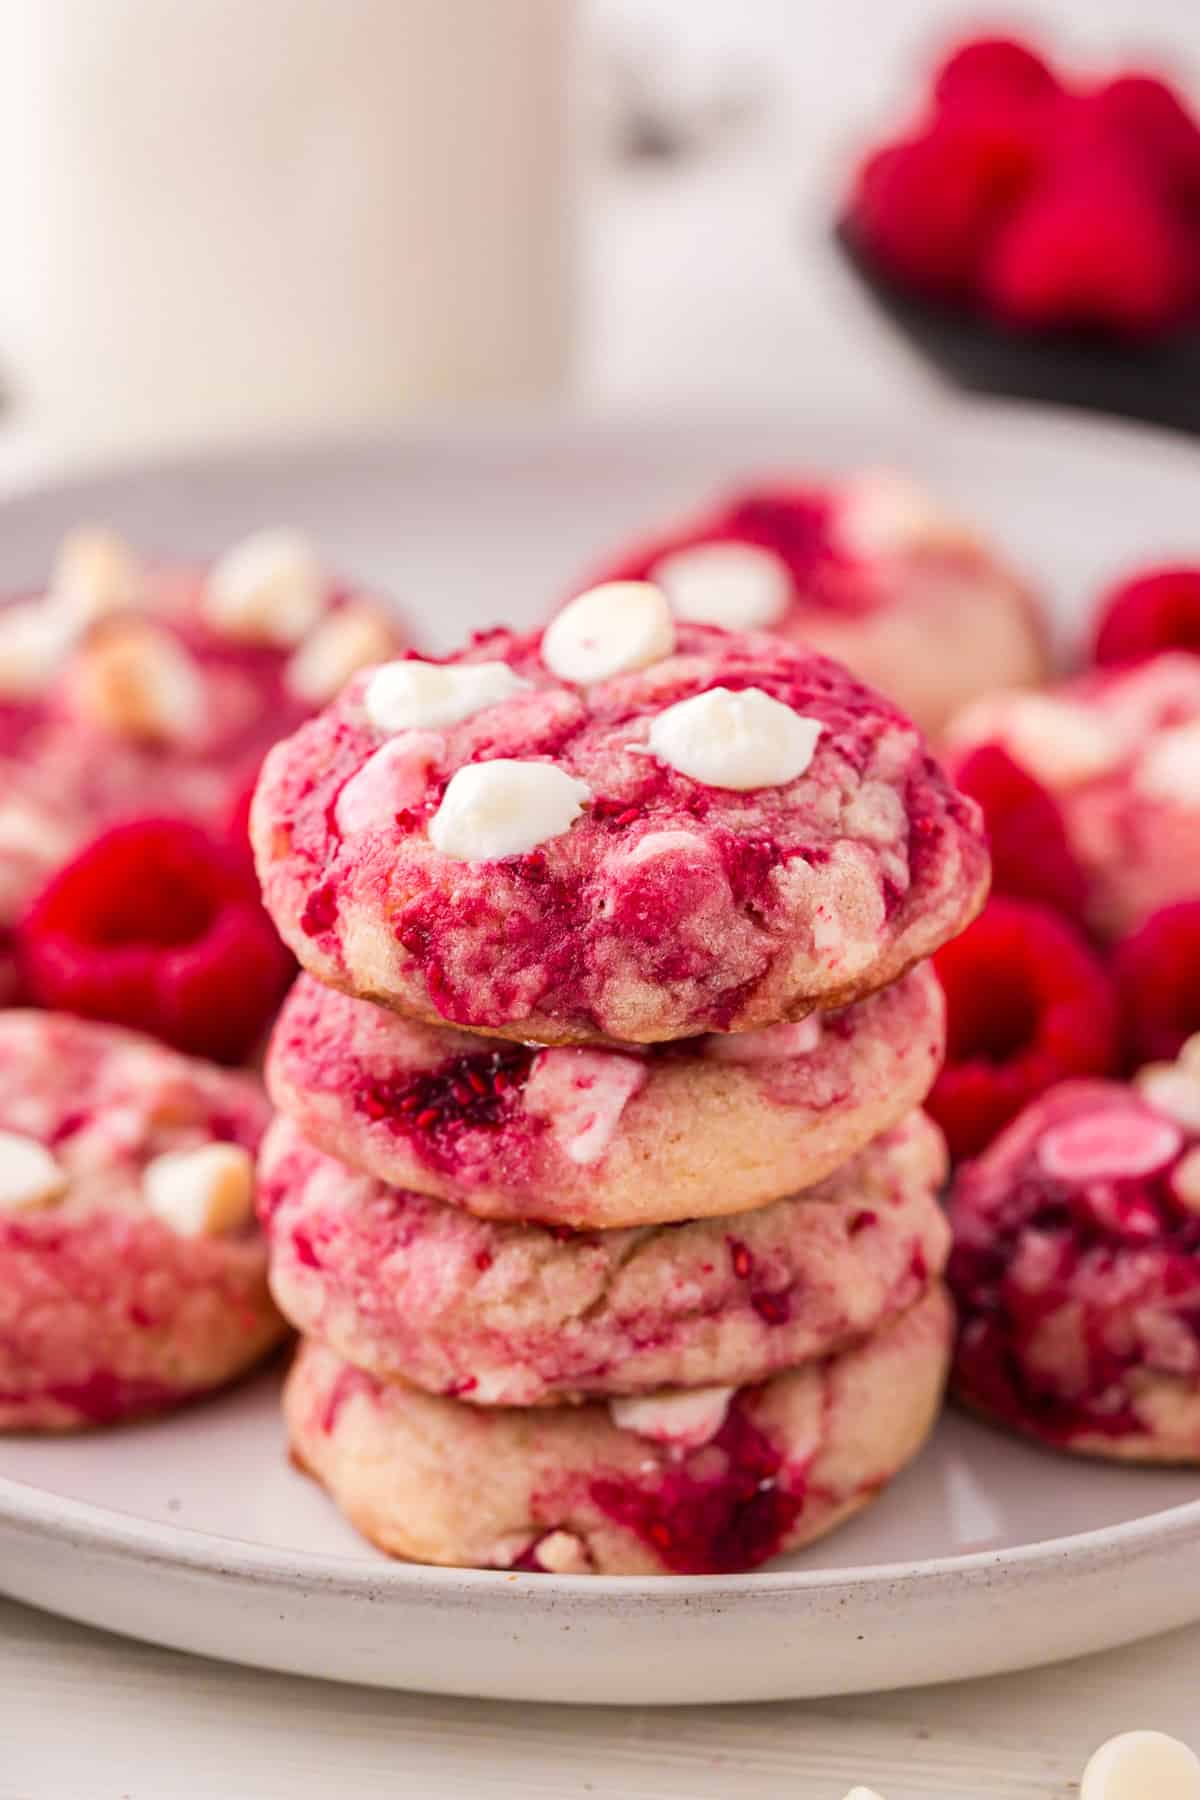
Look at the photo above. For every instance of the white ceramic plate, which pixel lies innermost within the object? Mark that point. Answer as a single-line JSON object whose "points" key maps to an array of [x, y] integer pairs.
{"points": [[988, 1555]]}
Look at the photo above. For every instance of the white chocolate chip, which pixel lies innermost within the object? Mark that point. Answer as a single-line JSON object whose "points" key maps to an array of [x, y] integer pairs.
{"points": [[1114, 1143], [342, 643], [1173, 1090], [610, 630], [394, 778], [583, 1094], [203, 1192], [135, 679], [775, 1043], [269, 589], [683, 1418], [35, 639], [862, 1793], [1142, 1765], [1170, 768], [884, 514], [505, 808], [29, 1175], [95, 573], [401, 695], [562, 1553], [740, 586], [737, 740]]}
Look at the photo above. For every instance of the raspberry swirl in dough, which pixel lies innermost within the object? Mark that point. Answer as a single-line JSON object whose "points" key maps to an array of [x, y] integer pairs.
{"points": [[623, 828]]}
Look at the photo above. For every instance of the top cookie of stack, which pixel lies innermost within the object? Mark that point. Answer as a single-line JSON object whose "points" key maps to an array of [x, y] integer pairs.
{"points": [[623, 828]]}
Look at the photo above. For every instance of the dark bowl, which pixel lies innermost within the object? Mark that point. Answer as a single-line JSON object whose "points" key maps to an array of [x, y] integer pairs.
{"points": [[1157, 381]]}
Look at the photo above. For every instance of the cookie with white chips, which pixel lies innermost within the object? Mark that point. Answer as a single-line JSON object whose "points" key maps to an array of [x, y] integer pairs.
{"points": [[625, 828], [133, 1275]]}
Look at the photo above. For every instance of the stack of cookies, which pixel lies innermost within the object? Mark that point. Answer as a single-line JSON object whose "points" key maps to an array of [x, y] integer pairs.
{"points": [[599, 1190]]}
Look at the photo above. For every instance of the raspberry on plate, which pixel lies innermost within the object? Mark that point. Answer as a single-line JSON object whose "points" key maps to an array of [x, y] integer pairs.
{"points": [[1119, 751], [1150, 612], [1032, 858], [623, 828], [870, 570], [1076, 1267], [159, 926], [1027, 1005], [987, 69], [132, 1274], [1157, 970], [708, 1481]]}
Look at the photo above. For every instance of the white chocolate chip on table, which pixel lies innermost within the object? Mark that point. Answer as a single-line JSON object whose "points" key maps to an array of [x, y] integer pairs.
{"points": [[30, 1177], [738, 740], [505, 808], [743, 587], [1142, 1765], [410, 694], [609, 630], [269, 589], [201, 1192]]}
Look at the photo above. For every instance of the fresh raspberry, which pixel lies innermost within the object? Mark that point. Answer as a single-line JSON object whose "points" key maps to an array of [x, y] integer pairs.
{"points": [[994, 68], [1157, 969], [1156, 611], [1095, 248], [1032, 858], [927, 209], [156, 925], [1156, 129], [1028, 1004]]}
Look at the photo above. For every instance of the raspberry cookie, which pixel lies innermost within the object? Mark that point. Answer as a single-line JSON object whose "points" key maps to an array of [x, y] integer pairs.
{"points": [[871, 571], [597, 1138], [129, 688], [621, 829], [517, 1315], [1119, 749], [1076, 1265], [132, 1275], [707, 1482]]}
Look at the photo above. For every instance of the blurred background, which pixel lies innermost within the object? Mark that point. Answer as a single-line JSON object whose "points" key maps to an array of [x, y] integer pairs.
{"points": [[224, 222]]}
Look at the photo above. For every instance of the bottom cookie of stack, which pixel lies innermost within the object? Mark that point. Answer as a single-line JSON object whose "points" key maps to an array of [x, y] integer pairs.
{"points": [[704, 1481]]}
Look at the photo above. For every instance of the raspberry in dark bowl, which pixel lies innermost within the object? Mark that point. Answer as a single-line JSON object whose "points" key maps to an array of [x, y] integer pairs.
{"points": [[1076, 1267]]}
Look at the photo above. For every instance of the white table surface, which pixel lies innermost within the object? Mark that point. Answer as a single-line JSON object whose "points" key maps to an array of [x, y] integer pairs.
{"points": [[89, 1717]]}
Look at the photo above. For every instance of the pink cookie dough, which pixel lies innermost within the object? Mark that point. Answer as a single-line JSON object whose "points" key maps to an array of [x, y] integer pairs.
{"points": [[669, 906], [1076, 1266], [520, 1315], [711, 1483], [870, 570], [142, 699], [117, 1297], [1119, 749]]}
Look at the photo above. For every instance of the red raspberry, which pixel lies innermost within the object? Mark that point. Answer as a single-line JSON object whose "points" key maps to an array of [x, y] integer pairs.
{"points": [[927, 209], [994, 68], [156, 925], [1096, 247], [1156, 129], [1152, 612], [1032, 858], [1028, 1004], [1157, 970]]}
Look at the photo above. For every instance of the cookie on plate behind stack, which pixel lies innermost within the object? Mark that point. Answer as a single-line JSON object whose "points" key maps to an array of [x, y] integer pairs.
{"points": [[599, 1192]]}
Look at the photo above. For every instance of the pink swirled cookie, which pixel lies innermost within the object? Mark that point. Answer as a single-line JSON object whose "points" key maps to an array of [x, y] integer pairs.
{"points": [[622, 828], [1076, 1266], [707, 1482], [598, 1137], [872, 571], [519, 1315], [131, 688], [1119, 751], [132, 1273]]}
